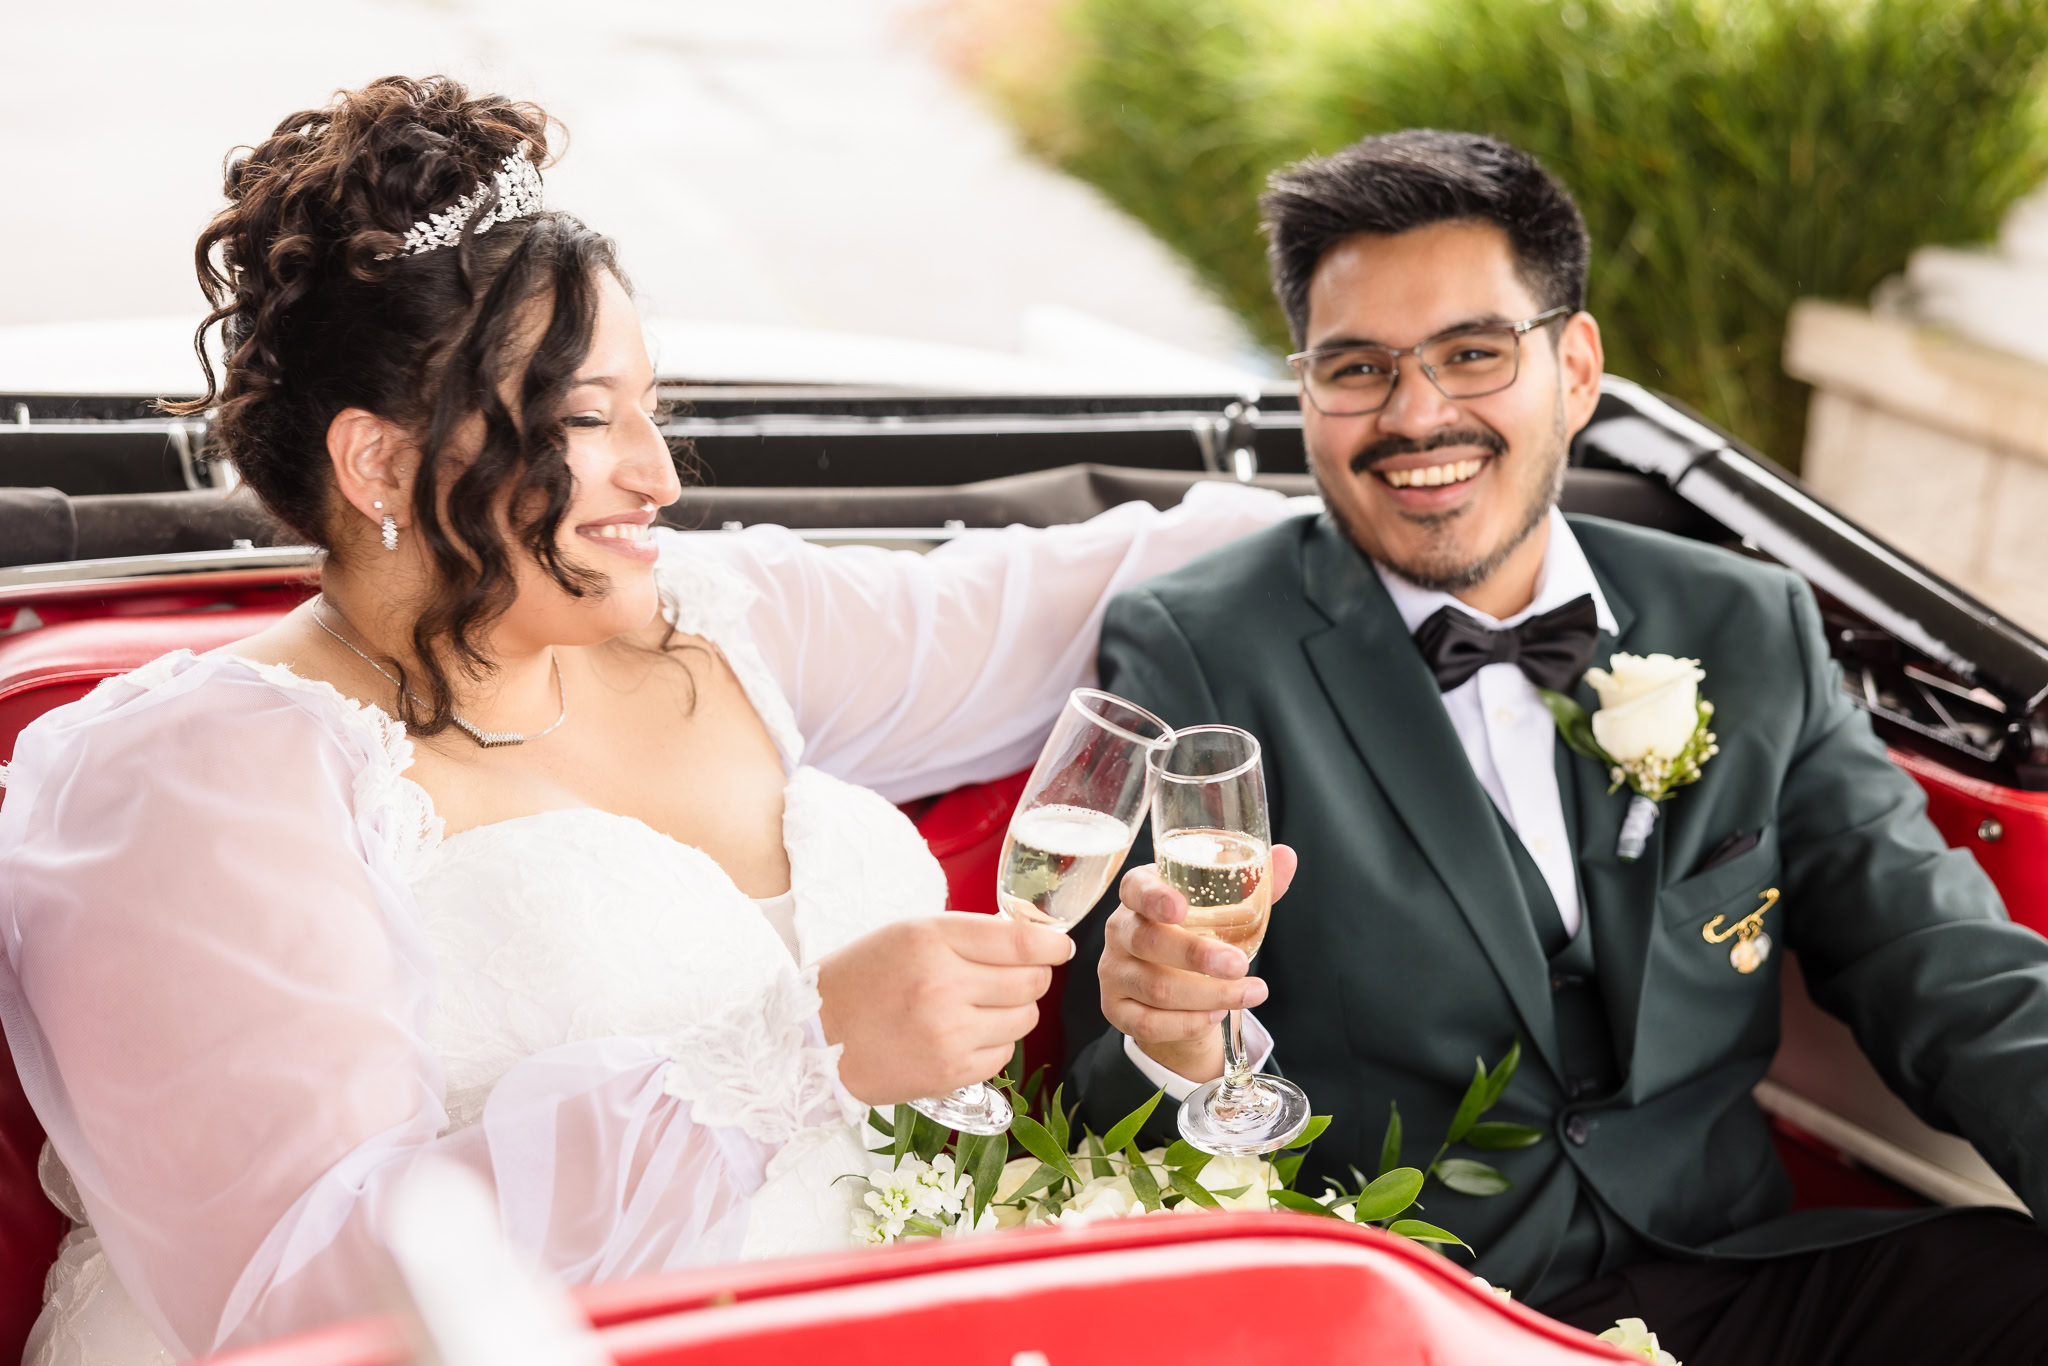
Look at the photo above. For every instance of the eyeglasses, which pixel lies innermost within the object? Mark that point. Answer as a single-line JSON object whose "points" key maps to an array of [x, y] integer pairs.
{"points": [[1466, 362]]}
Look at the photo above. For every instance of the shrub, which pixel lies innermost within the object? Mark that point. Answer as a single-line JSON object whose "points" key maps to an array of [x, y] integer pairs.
{"points": [[1729, 157]]}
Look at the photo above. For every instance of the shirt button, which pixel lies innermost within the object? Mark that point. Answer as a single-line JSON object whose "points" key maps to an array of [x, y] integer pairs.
{"points": [[1504, 715], [1539, 845], [1577, 1130]]}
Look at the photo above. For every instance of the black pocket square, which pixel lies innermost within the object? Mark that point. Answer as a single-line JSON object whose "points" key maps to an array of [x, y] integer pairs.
{"points": [[1730, 849]]}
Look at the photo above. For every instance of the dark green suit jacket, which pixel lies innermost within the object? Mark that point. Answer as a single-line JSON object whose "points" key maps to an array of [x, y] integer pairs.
{"points": [[1407, 946]]}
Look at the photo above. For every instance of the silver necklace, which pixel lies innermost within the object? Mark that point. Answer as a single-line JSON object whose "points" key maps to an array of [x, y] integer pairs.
{"points": [[489, 739]]}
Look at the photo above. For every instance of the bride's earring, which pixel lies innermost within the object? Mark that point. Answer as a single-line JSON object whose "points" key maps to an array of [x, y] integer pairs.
{"points": [[390, 529]]}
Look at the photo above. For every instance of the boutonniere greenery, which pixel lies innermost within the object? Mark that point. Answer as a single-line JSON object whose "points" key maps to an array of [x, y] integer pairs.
{"points": [[1653, 731]]}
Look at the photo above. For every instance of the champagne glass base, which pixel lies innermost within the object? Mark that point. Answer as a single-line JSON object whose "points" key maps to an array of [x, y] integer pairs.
{"points": [[1261, 1115], [976, 1109]]}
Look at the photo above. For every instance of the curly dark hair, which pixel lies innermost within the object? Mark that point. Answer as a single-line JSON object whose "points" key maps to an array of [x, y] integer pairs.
{"points": [[1402, 181], [314, 322]]}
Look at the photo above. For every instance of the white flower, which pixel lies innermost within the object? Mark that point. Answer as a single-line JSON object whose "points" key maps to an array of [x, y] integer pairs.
{"points": [[1633, 1335], [1499, 1290], [1227, 1173], [1106, 1197], [1015, 1173], [991, 1219], [1649, 705]]}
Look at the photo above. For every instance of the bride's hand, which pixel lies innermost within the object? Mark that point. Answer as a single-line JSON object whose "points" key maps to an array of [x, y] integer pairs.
{"points": [[928, 1005]]}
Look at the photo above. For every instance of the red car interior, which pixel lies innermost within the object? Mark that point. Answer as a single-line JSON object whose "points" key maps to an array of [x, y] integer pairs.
{"points": [[1418, 1306]]}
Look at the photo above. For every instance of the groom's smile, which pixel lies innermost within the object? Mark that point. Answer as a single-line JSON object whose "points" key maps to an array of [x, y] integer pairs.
{"points": [[1452, 493]]}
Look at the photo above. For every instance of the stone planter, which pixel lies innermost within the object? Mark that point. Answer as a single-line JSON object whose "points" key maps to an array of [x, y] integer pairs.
{"points": [[1936, 444]]}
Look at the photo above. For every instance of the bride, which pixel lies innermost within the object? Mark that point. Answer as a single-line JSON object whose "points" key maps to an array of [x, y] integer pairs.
{"points": [[540, 840]]}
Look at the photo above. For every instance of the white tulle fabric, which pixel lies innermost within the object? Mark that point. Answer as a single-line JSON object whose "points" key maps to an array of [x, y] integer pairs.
{"points": [[249, 983]]}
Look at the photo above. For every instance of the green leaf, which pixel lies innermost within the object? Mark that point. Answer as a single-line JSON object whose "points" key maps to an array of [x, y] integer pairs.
{"points": [[1192, 1189], [905, 1127], [876, 1121], [1287, 1166], [1040, 1145], [1498, 1136], [1098, 1159], [1230, 1194], [1471, 1107], [1034, 1086], [1303, 1204], [1467, 1177], [1312, 1132], [1143, 1184], [1574, 726], [1184, 1156], [929, 1137], [1126, 1129], [1497, 1080], [1056, 1120], [1390, 1146], [1045, 1178], [923, 1227], [1424, 1233], [1388, 1195], [987, 1172]]}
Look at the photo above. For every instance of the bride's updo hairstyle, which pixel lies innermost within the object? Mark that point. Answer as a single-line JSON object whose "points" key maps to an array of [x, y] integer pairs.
{"points": [[321, 310]]}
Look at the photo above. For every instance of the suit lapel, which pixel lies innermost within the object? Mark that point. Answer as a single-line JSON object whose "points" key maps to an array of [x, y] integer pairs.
{"points": [[1620, 898], [1390, 707]]}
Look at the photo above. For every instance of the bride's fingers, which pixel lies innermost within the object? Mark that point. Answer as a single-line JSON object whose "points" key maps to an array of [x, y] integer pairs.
{"points": [[1002, 1028], [997, 988], [993, 940], [1285, 861]]}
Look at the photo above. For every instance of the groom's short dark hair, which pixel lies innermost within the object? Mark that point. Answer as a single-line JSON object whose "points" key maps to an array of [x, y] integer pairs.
{"points": [[1407, 180]]}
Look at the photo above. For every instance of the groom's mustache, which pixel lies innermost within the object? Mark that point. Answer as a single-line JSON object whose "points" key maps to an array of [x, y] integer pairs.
{"points": [[1387, 447]]}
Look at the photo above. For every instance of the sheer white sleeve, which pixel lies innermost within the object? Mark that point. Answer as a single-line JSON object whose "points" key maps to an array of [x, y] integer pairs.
{"points": [[215, 988], [911, 674]]}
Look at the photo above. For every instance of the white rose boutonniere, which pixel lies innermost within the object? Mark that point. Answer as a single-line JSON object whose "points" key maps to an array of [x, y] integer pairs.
{"points": [[1650, 732]]}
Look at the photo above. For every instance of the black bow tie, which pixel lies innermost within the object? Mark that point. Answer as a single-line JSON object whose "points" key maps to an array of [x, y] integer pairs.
{"points": [[1553, 649]]}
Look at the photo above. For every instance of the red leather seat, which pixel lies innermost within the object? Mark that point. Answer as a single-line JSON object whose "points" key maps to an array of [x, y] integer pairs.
{"points": [[1241, 1289]]}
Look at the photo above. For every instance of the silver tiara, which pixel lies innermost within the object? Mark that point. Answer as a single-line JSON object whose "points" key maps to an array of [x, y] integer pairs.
{"points": [[518, 187]]}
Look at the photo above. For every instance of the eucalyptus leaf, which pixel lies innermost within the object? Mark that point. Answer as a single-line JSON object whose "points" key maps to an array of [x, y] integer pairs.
{"points": [[1467, 1177], [1498, 1079], [987, 1172], [1098, 1160], [1044, 1178], [1387, 1195], [1143, 1184], [1310, 1132], [1192, 1189], [1040, 1145], [929, 1137], [1472, 1106], [1497, 1136], [1303, 1204], [905, 1126], [1390, 1146], [1056, 1119], [1425, 1233], [1126, 1129]]}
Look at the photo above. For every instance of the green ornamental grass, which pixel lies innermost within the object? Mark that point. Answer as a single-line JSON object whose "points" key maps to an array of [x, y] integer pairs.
{"points": [[1730, 157]]}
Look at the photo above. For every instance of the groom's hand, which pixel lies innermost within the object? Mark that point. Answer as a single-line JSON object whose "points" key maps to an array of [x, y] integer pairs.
{"points": [[929, 1005], [1167, 987]]}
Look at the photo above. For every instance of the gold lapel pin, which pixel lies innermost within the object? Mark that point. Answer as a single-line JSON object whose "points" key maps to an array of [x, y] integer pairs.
{"points": [[1752, 946]]}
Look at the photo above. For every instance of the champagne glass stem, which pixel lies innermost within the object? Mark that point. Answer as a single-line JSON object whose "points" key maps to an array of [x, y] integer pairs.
{"points": [[1236, 1068]]}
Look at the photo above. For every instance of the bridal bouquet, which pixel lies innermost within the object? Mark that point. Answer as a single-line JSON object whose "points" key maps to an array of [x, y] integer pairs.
{"points": [[929, 1182]]}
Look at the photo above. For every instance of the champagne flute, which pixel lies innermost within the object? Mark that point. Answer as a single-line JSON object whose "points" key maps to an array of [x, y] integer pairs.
{"points": [[1069, 836], [1214, 845]]}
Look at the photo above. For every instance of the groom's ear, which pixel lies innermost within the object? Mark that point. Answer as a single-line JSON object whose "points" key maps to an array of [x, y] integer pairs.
{"points": [[1581, 359]]}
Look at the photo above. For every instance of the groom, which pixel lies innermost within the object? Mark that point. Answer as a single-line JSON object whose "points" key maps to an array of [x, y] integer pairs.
{"points": [[1460, 886]]}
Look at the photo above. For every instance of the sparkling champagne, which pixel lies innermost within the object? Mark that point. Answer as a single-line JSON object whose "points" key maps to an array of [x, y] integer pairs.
{"points": [[1057, 863], [1226, 877]]}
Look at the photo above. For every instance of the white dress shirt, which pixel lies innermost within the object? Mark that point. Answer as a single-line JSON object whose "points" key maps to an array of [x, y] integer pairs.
{"points": [[1509, 740], [1508, 735]]}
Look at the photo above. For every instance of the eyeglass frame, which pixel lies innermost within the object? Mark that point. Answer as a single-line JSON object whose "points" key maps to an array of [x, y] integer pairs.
{"points": [[1297, 361]]}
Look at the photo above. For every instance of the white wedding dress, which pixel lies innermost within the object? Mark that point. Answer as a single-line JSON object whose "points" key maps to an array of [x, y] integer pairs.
{"points": [[249, 982]]}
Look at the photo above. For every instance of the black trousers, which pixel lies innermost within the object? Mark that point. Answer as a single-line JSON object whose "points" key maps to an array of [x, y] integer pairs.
{"points": [[1965, 1288]]}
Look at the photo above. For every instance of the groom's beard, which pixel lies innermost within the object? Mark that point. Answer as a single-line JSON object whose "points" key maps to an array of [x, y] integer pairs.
{"points": [[1438, 576]]}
